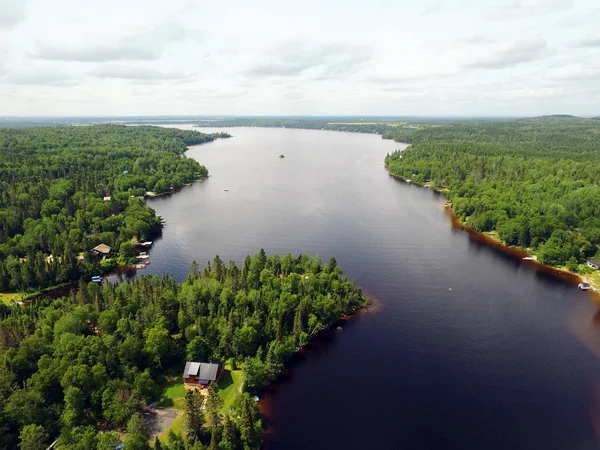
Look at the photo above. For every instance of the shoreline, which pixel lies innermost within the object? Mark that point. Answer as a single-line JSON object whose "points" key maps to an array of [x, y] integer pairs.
{"points": [[516, 253], [269, 391]]}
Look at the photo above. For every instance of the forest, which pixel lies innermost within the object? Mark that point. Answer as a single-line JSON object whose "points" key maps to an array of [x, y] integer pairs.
{"points": [[81, 369], [64, 190], [532, 183]]}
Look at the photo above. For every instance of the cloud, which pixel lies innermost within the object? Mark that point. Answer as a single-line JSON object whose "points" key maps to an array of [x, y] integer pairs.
{"points": [[41, 77], [513, 55], [12, 13], [588, 43], [148, 45], [136, 72], [294, 59], [523, 9]]}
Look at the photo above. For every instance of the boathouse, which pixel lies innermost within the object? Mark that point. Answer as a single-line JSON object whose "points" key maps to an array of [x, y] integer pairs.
{"points": [[102, 250], [201, 374], [593, 263]]}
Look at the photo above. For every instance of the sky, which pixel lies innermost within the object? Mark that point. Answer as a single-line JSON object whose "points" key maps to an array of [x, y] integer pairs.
{"points": [[315, 57]]}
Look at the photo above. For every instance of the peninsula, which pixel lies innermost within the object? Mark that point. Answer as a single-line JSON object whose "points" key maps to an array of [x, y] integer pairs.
{"points": [[72, 198]]}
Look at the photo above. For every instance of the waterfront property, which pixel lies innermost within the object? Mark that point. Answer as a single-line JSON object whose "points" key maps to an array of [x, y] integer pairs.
{"points": [[593, 263], [201, 374], [102, 250]]}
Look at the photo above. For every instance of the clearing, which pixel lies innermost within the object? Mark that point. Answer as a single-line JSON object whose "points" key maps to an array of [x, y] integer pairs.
{"points": [[10, 298], [229, 386]]}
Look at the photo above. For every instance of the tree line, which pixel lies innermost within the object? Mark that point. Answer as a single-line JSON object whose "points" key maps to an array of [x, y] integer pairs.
{"points": [[64, 190], [81, 368], [534, 182]]}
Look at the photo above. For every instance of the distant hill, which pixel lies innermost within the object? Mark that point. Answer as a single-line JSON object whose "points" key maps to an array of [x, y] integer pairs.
{"points": [[561, 116]]}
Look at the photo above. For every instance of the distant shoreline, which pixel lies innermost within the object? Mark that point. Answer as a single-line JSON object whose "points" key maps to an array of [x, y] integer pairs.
{"points": [[517, 253]]}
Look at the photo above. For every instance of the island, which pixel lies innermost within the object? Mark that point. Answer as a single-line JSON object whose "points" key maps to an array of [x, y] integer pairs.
{"points": [[72, 198], [104, 365]]}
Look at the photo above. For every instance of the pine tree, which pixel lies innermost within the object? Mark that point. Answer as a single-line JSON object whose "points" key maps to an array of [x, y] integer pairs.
{"points": [[214, 403], [194, 417]]}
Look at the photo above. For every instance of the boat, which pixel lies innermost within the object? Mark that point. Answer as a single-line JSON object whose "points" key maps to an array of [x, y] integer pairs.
{"points": [[530, 258], [226, 190], [143, 256], [97, 279], [584, 286], [281, 156]]}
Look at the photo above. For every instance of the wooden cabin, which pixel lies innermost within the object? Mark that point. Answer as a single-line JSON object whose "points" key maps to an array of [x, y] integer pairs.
{"points": [[102, 250], [201, 374]]}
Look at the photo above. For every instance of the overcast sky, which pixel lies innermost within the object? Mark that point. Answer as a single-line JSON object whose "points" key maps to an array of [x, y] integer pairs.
{"points": [[315, 57]]}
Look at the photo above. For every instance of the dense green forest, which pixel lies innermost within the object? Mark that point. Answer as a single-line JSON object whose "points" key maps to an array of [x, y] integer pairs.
{"points": [[64, 190], [533, 181], [337, 124], [81, 368]]}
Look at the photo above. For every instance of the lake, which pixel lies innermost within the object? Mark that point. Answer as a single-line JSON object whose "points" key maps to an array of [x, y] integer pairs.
{"points": [[465, 348]]}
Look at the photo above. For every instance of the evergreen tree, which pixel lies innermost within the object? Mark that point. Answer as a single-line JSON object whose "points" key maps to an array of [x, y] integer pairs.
{"points": [[193, 418], [214, 403]]}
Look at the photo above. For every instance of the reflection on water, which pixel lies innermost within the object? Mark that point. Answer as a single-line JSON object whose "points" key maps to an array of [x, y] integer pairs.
{"points": [[472, 347]]}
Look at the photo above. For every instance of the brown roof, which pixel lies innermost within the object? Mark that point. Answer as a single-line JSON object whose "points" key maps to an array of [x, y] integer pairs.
{"points": [[102, 248]]}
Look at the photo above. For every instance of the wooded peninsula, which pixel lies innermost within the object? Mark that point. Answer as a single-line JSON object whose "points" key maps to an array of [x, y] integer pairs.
{"points": [[82, 369], [65, 190]]}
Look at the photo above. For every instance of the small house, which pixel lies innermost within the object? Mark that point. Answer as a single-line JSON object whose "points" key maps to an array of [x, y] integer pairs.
{"points": [[107, 198], [201, 374], [102, 250], [593, 263]]}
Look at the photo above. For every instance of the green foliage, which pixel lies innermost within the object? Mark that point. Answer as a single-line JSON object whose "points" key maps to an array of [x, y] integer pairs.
{"points": [[88, 362], [53, 182], [214, 403], [535, 181], [33, 437], [108, 440], [193, 418]]}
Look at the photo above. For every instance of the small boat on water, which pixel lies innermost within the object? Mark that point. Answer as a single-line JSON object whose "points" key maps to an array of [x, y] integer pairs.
{"points": [[281, 156], [530, 258], [584, 286], [226, 190]]}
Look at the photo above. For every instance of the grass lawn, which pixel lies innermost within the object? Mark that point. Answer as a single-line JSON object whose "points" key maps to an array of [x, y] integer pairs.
{"points": [[229, 387], [9, 298], [173, 395], [594, 278], [176, 427]]}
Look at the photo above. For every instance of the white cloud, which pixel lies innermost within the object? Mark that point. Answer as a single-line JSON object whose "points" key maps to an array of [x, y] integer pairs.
{"points": [[146, 45], [528, 51], [130, 71], [12, 13], [390, 57]]}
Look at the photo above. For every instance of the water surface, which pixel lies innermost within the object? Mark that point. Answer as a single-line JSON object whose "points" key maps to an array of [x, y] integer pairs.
{"points": [[467, 348]]}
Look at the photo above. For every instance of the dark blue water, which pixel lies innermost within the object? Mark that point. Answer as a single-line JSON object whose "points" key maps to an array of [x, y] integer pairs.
{"points": [[466, 348]]}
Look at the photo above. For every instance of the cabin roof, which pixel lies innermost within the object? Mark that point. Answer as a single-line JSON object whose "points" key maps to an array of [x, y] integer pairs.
{"points": [[102, 248], [593, 261], [202, 371]]}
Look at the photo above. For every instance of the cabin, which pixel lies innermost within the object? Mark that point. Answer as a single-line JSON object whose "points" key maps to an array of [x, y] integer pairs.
{"points": [[593, 263], [107, 198], [201, 374], [102, 250]]}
